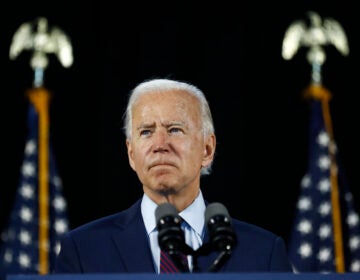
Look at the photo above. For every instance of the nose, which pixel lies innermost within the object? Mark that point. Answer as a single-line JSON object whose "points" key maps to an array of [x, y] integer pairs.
{"points": [[161, 140]]}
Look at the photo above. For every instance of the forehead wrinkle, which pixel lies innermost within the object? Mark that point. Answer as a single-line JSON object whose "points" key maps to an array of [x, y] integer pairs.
{"points": [[180, 107]]}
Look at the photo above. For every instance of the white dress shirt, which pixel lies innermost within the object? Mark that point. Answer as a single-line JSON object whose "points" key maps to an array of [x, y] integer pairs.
{"points": [[193, 215]]}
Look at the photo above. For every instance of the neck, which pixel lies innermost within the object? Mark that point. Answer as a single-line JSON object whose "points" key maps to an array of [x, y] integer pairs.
{"points": [[179, 200]]}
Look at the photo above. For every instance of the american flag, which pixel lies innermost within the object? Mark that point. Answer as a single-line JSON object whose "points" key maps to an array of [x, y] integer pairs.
{"points": [[19, 251], [312, 241]]}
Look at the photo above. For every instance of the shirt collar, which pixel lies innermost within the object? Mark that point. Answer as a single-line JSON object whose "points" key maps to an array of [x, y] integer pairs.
{"points": [[148, 208], [193, 214]]}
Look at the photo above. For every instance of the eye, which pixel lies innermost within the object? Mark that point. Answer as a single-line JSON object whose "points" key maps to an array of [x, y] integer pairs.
{"points": [[175, 130], [145, 132]]}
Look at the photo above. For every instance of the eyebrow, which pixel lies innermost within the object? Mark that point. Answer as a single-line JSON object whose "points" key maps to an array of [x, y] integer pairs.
{"points": [[150, 125]]}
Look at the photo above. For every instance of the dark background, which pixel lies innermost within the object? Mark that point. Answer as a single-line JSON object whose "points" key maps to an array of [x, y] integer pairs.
{"points": [[230, 50]]}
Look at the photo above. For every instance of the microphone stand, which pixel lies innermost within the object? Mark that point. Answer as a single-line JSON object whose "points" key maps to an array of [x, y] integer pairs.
{"points": [[219, 261], [178, 257], [179, 261], [205, 250]]}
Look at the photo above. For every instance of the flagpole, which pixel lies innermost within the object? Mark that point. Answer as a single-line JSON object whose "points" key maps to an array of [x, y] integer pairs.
{"points": [[41, 42], [318, 92], [39, 97]]}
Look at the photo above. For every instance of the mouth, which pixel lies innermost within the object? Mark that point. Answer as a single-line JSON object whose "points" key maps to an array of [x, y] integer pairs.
{"points": [[161, 165]]}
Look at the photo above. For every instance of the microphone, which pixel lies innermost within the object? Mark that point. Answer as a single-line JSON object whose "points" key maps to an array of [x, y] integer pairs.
{"points": [[171, 237], [221, 234]]}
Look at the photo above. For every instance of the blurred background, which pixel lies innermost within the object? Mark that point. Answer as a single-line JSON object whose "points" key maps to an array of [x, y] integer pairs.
{"points": [[232, 51]]}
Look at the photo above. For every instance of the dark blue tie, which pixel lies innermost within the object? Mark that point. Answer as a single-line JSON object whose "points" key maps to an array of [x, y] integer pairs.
{"points": [[166, 263]]}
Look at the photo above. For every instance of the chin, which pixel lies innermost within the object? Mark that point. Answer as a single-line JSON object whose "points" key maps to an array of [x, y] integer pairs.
{"points": [[165, 191]]}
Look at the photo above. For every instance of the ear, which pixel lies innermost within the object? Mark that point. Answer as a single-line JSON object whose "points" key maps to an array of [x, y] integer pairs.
{"points": [[130, 153], [209, 150]]}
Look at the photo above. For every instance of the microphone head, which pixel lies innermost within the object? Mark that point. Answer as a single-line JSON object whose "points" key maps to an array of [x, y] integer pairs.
{"points": [[215, 209], [164, 210], [168, 222], [218, 222]]}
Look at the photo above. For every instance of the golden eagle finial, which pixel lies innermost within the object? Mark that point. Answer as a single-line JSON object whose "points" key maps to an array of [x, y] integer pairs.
{"points": [[318, 34], [41, 39]]}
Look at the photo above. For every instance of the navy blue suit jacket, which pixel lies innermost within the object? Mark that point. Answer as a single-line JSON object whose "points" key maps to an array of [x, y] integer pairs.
{"points": [[118, 244]]}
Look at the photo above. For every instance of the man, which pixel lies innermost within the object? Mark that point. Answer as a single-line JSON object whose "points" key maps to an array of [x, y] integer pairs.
{"points": [[171, 143]]}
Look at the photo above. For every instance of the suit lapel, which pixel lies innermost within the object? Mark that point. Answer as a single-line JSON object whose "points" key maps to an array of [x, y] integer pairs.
{"points": [[132, 241]]}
